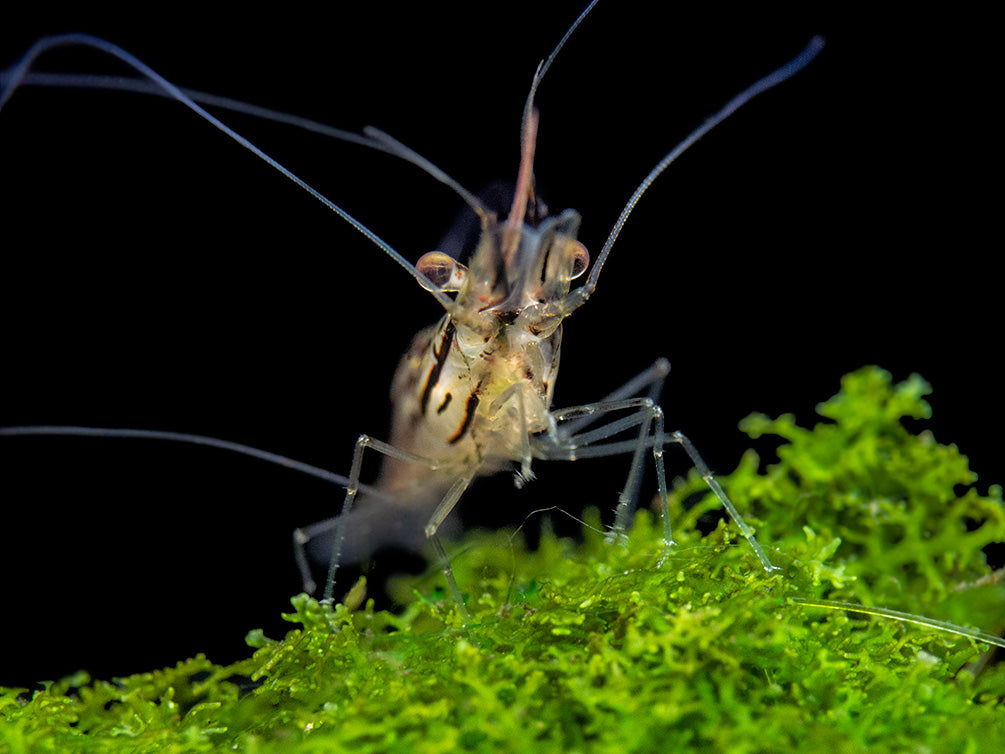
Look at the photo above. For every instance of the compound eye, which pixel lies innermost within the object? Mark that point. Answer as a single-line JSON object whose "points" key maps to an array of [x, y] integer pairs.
{"points": [[444, 272], [580, 260]]}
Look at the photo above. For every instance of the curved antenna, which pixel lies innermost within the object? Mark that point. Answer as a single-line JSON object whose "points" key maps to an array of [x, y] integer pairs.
{"points": [[579, 296], [528, 138], [387, 143], [373, 138], [885, 612], [190, 439], [524, 179], [20, 69], [141, 86], [542, 69]]}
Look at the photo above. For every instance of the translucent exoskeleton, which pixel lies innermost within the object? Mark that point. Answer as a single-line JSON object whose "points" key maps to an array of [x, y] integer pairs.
{"points": [[474, 393], [604, 168], [660, 294]]}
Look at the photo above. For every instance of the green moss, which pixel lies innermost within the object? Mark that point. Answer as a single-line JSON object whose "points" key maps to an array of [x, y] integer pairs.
{"points": [[591, 647]]}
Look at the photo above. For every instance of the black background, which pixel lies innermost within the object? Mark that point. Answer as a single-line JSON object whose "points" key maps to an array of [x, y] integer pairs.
{"points": [[156, 275]]}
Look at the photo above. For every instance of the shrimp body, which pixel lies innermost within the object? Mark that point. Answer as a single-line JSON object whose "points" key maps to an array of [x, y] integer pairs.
{"points": [[475, 387], [474, 393]]}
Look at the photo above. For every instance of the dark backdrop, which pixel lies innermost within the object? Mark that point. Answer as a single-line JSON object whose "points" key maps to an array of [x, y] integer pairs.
{"points": [[155, 275]]}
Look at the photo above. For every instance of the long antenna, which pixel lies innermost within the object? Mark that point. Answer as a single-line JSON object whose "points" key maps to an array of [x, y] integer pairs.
{"points": [[371, 138], [19, 71], [578, 296], [528, 137], [885, 612], [190, 439], [542, 69]]}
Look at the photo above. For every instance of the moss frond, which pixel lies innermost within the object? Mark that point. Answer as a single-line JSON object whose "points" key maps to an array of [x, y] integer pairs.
{"points": [[586, 646]]}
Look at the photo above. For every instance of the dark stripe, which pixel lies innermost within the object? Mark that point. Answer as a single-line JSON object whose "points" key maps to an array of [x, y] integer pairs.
{"points": [[446, 402], [469, 414], [544, 264], [441, 357]]}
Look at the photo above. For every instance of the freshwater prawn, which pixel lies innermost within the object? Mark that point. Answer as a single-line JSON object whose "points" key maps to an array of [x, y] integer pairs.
{"points": [[473, 394]]}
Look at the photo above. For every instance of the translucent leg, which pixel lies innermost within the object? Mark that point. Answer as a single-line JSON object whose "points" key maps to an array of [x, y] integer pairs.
{"points": [[589, 444], [650, 382], [364, 442], [649, 418], [716, 488], [446, 505], [439, 515]]}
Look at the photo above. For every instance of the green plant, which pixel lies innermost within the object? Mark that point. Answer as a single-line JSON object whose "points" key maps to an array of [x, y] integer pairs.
{"points": [[584, 646]]}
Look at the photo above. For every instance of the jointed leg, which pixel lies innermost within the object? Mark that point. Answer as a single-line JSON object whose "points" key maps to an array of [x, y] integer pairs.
{"points": [[651, 382], [439, 515], [720, 493], [645, 415], [364, 442], [453, 494], [649, 418], [301, 536]]}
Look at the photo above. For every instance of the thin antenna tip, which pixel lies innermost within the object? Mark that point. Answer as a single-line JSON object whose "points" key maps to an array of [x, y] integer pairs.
{"points": [[816, 44]]}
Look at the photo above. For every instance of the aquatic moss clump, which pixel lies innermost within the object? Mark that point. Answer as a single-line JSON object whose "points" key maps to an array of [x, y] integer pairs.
{"points": [[585, 646]]}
